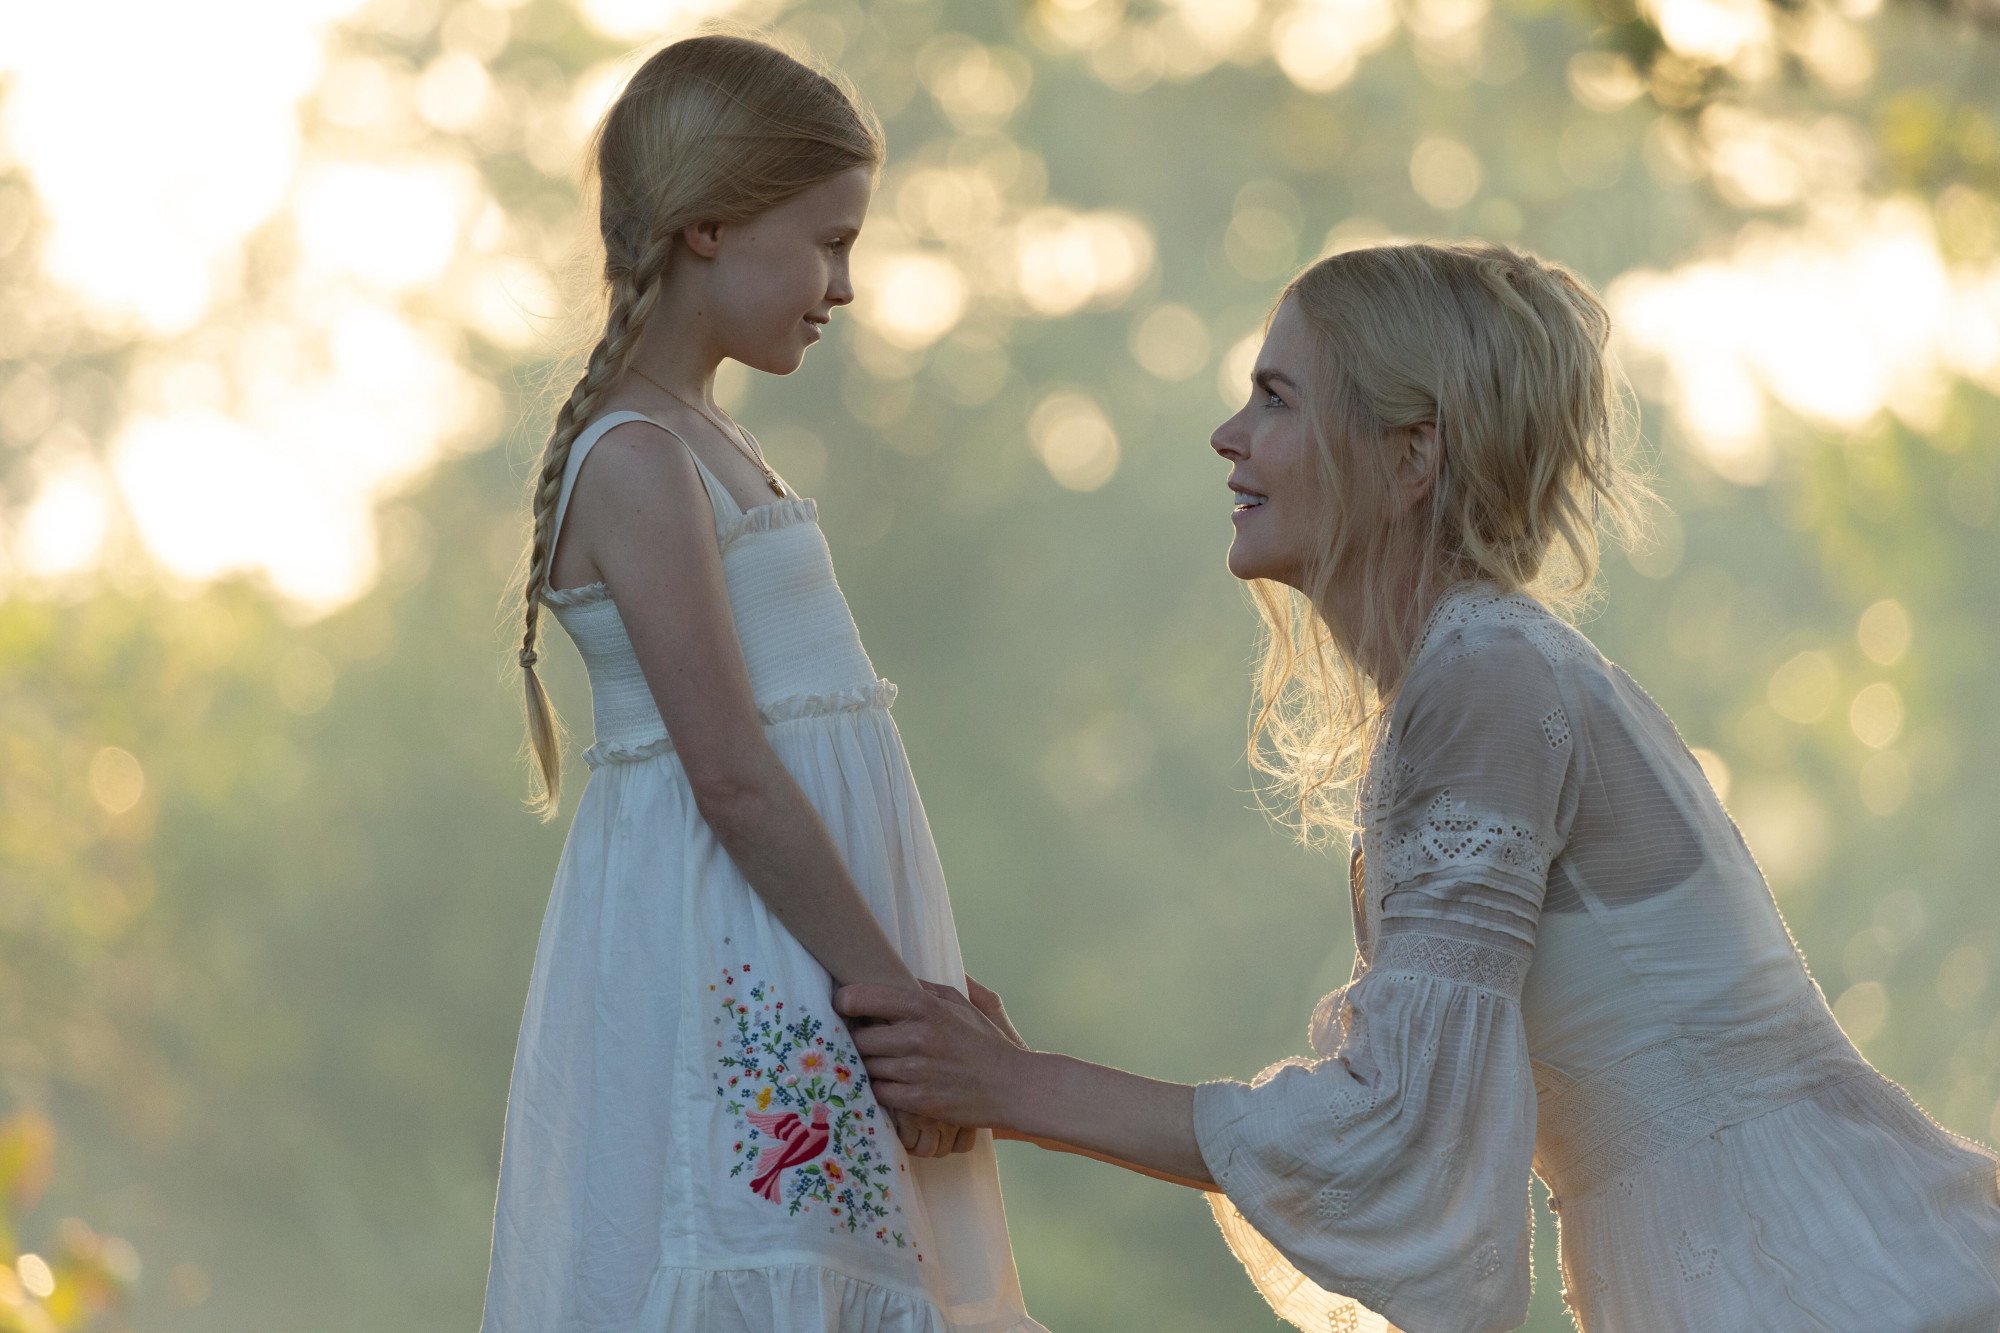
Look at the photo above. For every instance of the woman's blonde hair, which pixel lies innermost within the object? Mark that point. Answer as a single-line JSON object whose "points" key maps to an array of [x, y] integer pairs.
{"points": [[719, 127], [1508, 356]]}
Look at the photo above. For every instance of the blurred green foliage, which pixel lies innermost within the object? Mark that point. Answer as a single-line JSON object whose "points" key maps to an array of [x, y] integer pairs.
{"points": [[78, 1284], [269, 898]]}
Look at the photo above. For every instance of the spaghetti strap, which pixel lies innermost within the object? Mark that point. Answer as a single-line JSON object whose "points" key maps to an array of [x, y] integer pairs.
{"points": [[724, 504]]}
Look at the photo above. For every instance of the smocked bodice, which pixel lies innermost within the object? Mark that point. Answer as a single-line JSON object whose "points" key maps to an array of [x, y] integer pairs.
{"points": [[798, 637]]}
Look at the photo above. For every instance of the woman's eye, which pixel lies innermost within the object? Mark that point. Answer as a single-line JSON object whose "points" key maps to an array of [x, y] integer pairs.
{"points": [[1271, 399]]}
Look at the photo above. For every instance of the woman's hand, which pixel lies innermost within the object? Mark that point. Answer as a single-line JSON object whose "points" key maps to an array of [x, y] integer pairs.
{"points": [[935, 1053]]}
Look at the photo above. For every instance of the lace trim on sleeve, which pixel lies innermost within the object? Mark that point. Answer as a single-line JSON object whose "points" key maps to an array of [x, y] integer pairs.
{"points": [[1490, 967]]}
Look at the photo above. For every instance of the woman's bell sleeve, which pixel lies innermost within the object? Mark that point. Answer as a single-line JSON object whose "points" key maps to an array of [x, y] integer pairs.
{"points": [[1391, 1173]]}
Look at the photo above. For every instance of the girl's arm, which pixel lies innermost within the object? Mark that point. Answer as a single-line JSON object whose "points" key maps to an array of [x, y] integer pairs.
{"points": [[934, 1053], [655, 547]]}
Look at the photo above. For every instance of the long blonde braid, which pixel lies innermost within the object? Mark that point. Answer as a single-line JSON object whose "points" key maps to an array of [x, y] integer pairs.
{"points": [[635, 290], [717, 127]]}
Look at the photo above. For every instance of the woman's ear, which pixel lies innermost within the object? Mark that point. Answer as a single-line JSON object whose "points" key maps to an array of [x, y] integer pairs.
{"points": [[1421, 460], [703, 238]]}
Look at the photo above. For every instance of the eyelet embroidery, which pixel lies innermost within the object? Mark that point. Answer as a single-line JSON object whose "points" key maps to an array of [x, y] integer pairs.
{"points": [[1334, 1203], [1555, 727], [807, 1121], [1697, 1261], [1449, 1158], [1467, 603], [1487, 1262], [1349, 1106], [1450, 833]]}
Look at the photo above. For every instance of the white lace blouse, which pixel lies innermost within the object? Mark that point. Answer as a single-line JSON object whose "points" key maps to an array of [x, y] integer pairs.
{"points": [[1568, 962]]}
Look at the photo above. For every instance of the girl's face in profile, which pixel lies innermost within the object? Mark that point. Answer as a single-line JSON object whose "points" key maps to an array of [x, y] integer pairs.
{"points": [[777, 277], [1279, 509]]}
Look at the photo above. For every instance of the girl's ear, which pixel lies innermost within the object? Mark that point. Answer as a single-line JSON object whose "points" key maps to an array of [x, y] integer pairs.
{"points": [[1422, 458], [703, 238]]}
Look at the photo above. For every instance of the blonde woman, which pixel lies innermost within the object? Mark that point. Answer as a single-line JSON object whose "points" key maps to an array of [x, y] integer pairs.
{"points": [[1568, 960], [691, 1144]]}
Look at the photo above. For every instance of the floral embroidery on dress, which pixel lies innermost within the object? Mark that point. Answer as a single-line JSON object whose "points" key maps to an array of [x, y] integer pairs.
{"points": [[809, 1129]]}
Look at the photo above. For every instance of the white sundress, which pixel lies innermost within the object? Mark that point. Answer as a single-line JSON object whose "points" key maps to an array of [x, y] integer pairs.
{"points": [[690, 1142], [1569, 962]]}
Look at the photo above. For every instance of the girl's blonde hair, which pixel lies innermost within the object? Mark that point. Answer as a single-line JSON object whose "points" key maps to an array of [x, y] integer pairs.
{"points": [[1508, 356], [719, 128]]}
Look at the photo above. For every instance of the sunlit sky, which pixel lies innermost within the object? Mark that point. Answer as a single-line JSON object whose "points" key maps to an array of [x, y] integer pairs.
{"points": [[272, 406]]}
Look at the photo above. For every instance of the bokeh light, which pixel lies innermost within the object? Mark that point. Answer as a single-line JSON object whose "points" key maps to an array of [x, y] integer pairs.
{"points": [[292, 291], [1075, 440]]}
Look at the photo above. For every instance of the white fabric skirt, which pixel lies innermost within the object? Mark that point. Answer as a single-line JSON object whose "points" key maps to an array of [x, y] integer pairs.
{"points": [[691, 1142]]}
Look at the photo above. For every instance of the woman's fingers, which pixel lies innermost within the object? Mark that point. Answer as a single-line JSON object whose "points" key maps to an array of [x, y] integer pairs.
{"points": [[903, 1069], [967, 1136], [868, 999], [887, 1039]]}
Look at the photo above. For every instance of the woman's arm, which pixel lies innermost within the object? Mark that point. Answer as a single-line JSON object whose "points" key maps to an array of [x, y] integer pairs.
{"points": [[1141, 1124], [935, 1053]]}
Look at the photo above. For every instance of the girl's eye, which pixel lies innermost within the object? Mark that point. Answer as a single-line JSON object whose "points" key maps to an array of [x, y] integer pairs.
{"points": [[838, 243]]}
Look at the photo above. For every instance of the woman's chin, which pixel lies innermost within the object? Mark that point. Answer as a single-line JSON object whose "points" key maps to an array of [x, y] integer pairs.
{"points": [[1248, 564]]}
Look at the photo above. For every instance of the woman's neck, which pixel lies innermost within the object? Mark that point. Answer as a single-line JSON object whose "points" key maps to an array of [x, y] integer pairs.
{"points": [[1384, 655]]}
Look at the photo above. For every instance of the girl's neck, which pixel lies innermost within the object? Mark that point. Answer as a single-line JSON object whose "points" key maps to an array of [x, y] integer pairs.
{"points": [[675, 351]]}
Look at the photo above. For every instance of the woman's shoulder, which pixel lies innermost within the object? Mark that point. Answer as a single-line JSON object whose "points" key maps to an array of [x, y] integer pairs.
{"points": [[1481, 623], [1490, 652]]}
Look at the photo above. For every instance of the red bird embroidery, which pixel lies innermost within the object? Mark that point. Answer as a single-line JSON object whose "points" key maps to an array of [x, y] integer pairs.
{"points": [[797, 1144]]}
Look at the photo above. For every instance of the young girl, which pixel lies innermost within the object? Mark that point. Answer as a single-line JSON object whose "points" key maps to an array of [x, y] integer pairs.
{"points": [[691, 1140], [1429, 438]]}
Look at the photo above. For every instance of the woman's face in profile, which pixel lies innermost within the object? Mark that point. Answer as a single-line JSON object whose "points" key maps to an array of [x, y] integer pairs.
{"points": [[1269, 444]]}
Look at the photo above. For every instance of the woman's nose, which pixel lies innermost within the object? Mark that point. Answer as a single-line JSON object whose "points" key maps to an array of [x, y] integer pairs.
{"points": [[1230, 439]]}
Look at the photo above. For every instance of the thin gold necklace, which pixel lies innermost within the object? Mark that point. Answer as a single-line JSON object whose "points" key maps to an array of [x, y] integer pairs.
{"points": [[740, 439]]}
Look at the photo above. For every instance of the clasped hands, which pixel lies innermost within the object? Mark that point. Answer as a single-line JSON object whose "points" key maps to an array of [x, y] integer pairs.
{"points": [[935, 1058]]}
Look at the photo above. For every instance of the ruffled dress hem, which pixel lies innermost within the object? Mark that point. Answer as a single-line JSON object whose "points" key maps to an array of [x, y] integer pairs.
{"points": [[802, 1297]]}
